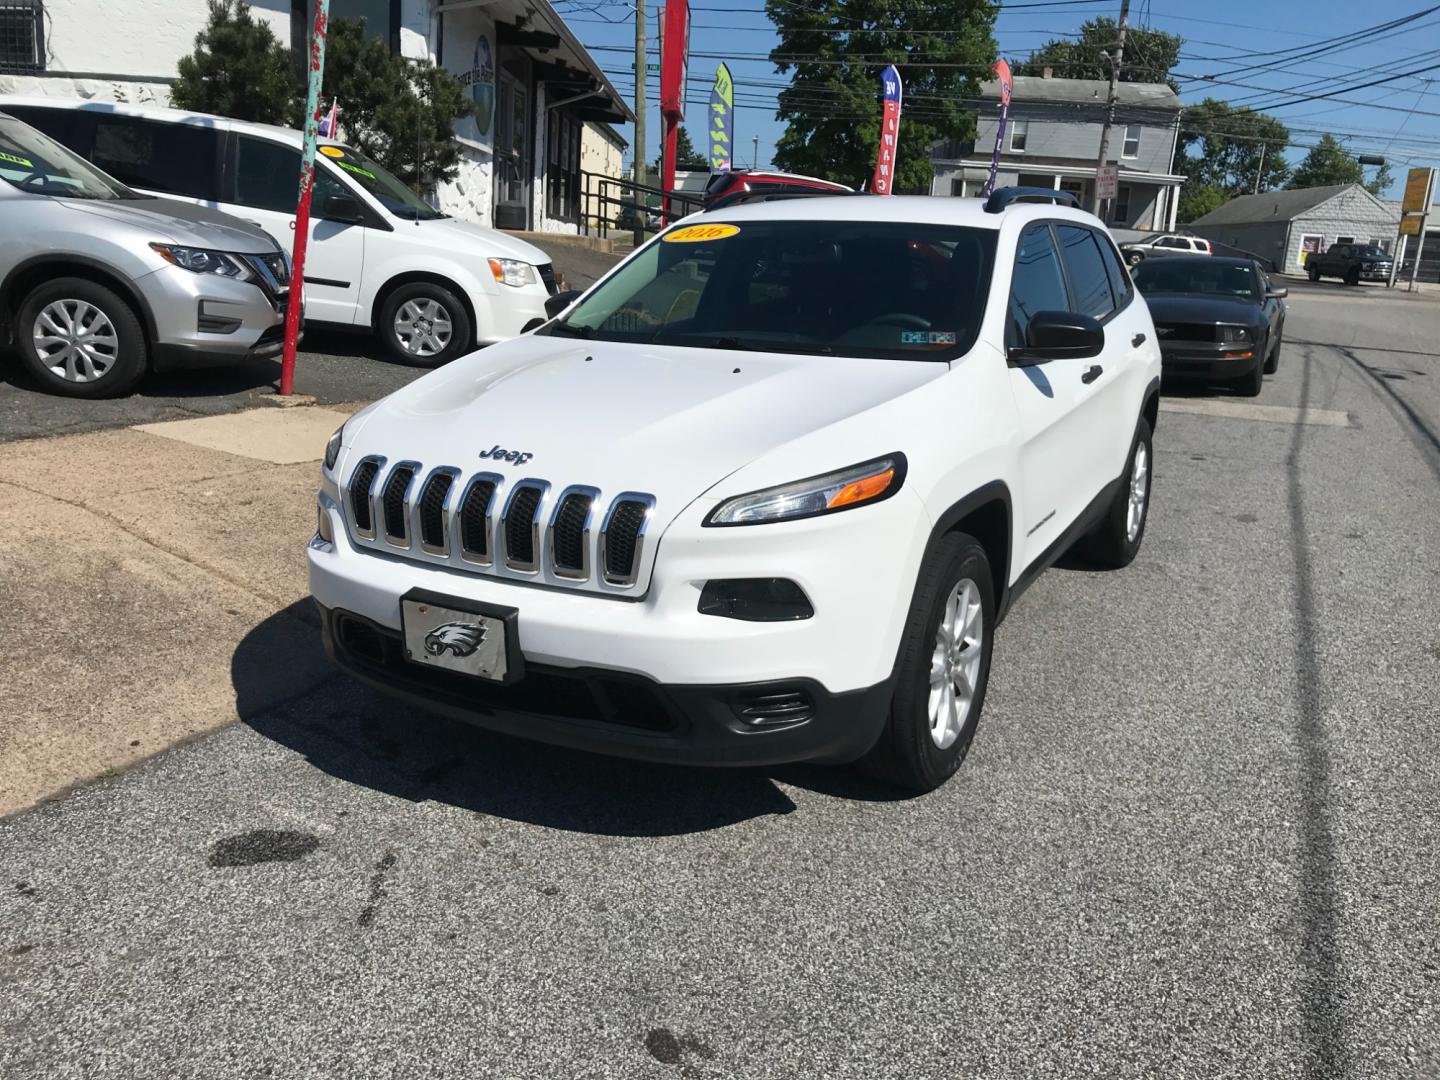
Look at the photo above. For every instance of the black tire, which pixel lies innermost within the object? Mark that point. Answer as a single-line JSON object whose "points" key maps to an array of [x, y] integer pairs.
{"points": [[1251, 383], [906, 755], [1352, 276], [1134, 258], [1314, 274], [1110, 543], [1272, 361], [130, 353], [461, 340]]}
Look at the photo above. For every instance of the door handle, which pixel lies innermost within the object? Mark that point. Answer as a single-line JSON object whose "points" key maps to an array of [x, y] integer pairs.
{"points": [[1093, 373], [1137, 340]]}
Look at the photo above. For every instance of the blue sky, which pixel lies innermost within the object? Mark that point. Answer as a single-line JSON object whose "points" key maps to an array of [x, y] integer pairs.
{"points": [[1394, 123]]}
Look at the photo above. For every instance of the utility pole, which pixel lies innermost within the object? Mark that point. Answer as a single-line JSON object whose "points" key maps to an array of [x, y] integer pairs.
{"points": [[755, 154], [1261, 170], [641, 81], [1110, 106]]}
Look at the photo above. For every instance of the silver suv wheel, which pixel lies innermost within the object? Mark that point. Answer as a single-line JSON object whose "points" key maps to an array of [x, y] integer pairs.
{"points": [[955, 663], [75, 340]]}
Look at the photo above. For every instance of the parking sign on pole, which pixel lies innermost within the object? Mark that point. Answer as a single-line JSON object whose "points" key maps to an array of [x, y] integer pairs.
{"points": [[1107, 182]]}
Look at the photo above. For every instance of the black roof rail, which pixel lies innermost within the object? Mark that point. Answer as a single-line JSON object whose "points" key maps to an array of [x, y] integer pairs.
{"points": [[735, 198], [1000, 198]]}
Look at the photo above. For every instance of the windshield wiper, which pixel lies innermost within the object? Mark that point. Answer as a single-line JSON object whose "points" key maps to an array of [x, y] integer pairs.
{"points": [[568, 330]]}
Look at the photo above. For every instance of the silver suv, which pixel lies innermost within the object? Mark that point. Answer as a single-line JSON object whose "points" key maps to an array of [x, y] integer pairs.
{"points": [[100, 284]]}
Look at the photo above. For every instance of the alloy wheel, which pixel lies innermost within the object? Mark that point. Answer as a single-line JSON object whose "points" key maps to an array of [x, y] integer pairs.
{"points": [[75, 340], [955, 663], [1139, 492], [423, 327]]}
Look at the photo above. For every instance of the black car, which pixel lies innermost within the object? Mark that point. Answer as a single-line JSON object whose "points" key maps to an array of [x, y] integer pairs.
{"points": [[1219, 319], [1352, 263]]}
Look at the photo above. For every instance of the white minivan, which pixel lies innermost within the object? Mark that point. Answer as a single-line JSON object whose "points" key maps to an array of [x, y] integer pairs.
{"points": [[432, 287]]}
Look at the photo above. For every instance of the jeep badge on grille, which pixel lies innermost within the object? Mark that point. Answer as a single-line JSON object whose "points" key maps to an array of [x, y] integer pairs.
{"points": [[499, 453]]}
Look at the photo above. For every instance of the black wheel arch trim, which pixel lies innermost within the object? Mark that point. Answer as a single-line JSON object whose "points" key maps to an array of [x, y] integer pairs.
{"points": [[10, 305], [983, 496]]}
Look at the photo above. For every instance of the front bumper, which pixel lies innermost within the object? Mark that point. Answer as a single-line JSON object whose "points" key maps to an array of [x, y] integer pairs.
{"points": [[511, 310], [1209, 360], [198, 318]]}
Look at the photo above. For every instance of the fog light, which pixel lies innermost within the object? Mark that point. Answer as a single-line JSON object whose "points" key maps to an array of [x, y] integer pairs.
{"points": [[755, 600], [322, 525]]}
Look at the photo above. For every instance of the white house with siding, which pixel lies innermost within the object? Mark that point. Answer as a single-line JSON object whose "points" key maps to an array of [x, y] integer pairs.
{"points": [[1286, 226]]}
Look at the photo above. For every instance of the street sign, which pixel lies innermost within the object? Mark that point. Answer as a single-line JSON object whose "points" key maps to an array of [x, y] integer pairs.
{"points": [[1417, 191], [652, 69], [1410, 224], [1107, 182]]}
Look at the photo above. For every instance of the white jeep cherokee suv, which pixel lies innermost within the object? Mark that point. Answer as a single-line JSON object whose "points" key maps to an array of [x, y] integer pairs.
{"points": [[762, 494]]}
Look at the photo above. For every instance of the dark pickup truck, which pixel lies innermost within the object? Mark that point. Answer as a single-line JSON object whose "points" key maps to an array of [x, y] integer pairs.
{"points": [[1353, 263]]}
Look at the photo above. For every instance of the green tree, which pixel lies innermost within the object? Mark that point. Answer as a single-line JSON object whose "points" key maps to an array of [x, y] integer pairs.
{"points": [[1327, 163], [837, 49], [400, 112], [1381, 181], [1149, 54], [238, 69], [1197, 200], [687, 158], [1233, 149]]}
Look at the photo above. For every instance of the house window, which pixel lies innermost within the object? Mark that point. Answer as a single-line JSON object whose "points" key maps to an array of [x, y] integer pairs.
{"points": [[1120, 212], [22, 35], [1019, 134], [957, 187], [1345, 240], [562, 168], [1132, 141]]}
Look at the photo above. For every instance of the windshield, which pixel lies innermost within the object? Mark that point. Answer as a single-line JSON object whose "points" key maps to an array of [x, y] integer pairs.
{"points": [[1195, 276], [393, 195], [847, 288], [36, 163], [1372, 251]]}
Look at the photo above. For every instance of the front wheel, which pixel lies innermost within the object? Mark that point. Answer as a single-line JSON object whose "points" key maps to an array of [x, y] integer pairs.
{"points": [[1314, 274], [1115, 541], [425, 325], [1352, 276], [942, 670], [80, 339], [1272, 362]]}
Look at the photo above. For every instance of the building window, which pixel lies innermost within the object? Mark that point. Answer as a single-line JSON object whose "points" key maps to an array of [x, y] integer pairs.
{"points": [[1132, 141], [957, 187], [22, 35], [562, 167], [1019, 134], [1345, 240]]}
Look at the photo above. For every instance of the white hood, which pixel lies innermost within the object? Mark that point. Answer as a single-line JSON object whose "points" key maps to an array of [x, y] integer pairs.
{"points": [[485, 243], [671, 422]]}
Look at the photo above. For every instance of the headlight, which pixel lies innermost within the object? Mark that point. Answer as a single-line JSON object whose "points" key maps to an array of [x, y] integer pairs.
{"points": [[868, 482], [332, 448], [512, 272], [1234, 333], [204, 261]]}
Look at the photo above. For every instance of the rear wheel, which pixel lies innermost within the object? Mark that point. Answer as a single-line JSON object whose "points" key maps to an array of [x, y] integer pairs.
{"points": [[80, 339], [942, 670], [1115, 541], [1134, 258], [425, 324]]}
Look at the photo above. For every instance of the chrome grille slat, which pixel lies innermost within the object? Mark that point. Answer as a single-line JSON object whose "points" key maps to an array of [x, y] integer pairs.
{"points": [[485, 523]]}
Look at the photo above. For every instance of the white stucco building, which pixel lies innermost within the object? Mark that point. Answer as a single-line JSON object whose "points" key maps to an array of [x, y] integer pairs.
{"points": [[533, 84]]}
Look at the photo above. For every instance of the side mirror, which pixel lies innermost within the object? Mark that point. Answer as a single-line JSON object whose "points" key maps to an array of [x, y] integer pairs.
{"points": [[1058, 335], [342, 207], [554, 305], [1277, 294]]}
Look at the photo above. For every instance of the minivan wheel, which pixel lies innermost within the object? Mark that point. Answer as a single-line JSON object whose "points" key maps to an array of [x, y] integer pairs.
{"points": [[80, 339], [942, 670], [425, 324]]}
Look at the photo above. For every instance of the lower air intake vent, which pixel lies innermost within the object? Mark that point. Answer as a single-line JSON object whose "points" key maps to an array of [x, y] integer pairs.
{"points": [[432, 510], [774, 709], [396, 504], [360, 482]]}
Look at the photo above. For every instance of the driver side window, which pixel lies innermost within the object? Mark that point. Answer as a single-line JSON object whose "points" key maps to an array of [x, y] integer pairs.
{"points": [[1038, 284]]}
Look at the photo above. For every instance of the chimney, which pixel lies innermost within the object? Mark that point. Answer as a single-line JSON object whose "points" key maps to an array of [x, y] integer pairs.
{"points": [[1045, 73]]}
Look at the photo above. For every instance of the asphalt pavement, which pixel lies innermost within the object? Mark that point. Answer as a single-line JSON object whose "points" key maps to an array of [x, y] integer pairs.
{"points": [[1198, 834]]}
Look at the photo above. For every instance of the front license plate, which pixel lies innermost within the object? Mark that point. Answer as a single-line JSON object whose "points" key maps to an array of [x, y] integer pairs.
{"points": [[454, 635]]}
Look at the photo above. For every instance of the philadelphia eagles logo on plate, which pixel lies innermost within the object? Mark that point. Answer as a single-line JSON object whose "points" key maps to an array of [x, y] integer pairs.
{"points": [[459, 638]]}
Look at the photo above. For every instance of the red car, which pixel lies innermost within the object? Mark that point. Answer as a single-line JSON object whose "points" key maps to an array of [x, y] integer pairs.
{"points": [[727, 187]]}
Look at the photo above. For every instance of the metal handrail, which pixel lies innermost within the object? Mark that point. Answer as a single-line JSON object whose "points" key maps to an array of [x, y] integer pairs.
{"points": [[599, 193]]}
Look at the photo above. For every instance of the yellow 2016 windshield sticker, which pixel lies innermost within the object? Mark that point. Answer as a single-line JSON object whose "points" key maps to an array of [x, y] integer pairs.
{"points": [[695, 234], [356, 170], [332, 151], [16, 160]]}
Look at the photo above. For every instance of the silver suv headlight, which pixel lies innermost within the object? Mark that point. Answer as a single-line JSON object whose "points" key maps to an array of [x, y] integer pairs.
{"points": [[332, 448], [204, 261], [844, 489], [512, 272]]}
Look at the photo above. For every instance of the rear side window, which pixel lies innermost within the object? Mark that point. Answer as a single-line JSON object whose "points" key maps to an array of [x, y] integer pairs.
{"points": [[69, 127], [267, 177], [177, 159], [1114, 270], [1089, 283], [1038, 284]]}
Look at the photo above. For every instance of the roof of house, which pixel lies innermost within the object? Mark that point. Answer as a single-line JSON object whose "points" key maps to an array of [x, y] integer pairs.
{"points": [[1274, 205], [1085, 92]]}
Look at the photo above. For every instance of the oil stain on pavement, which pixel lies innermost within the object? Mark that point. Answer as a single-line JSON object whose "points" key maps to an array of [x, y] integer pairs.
{"points": [[377, 888], [262, 846]]}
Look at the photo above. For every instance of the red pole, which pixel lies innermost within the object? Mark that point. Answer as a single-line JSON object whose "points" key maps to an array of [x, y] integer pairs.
{"points": [[667, 163], [302, 209]]}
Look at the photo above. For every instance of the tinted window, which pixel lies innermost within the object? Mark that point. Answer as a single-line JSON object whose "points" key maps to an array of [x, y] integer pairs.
{"points": [[267, 177], [69, 127], [1208, 276], [1172, 242], [1114, 270], [1038, 284], [883, 290], [1089, 283], [178, 159]]}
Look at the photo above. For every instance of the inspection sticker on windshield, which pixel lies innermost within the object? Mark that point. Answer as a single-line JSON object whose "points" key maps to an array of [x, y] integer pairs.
{"points": [[332, 151], [16, 160], [927, 337], [695, 234]]}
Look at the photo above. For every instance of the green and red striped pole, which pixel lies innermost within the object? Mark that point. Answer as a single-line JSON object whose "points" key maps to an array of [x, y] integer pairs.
{"points": [[307, 183]]}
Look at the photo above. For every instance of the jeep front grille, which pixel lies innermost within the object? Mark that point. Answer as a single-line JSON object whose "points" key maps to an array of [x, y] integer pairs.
{"points": [[487, 523]]}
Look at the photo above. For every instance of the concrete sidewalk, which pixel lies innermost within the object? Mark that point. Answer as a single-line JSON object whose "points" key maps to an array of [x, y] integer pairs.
{"points": [[135, 562]]}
